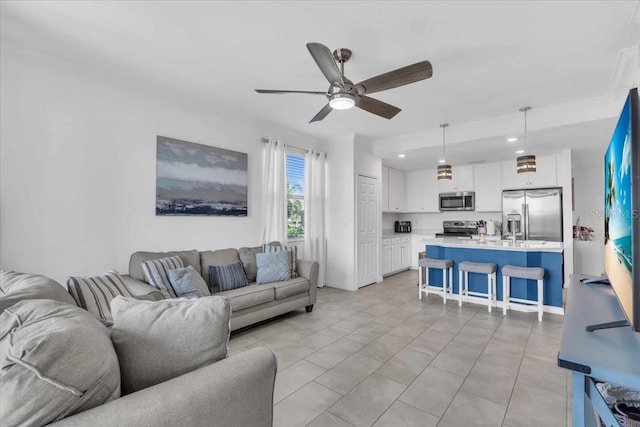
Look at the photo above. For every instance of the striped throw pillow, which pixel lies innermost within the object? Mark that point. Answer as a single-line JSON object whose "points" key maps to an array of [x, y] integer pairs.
{"points": [[293, 256], [156, 273], [94, 294], [227, 277]]}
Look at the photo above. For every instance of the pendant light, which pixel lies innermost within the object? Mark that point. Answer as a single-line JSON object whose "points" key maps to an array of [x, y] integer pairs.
{"points": [[444, 171], [526, 162]]}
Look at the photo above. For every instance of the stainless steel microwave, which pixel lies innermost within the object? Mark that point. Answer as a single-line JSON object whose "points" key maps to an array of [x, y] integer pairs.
{"points": [[459, 201]]}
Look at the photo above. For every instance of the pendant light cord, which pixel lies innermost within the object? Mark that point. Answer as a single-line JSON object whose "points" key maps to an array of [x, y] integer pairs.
{"points": [[444, 154]]}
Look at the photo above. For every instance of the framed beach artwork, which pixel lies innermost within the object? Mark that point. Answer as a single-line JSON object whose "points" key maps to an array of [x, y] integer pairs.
{"points": [[196, 179]]}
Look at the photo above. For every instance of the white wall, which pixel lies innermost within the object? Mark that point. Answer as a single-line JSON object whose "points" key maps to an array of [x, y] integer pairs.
{"points": [[340, 203], [77, 168]]}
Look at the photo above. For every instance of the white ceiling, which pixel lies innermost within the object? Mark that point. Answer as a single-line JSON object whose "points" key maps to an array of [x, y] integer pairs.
{"points": [[489, 59]]}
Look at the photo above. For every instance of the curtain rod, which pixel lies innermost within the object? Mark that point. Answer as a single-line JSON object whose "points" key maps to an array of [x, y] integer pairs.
{"points": [[265, 140]]}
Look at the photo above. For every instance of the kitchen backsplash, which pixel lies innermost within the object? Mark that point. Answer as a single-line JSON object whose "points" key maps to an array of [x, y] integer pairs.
{"points": [[433, 221]]}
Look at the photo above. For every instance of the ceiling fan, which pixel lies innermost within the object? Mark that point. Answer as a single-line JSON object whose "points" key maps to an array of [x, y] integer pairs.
{"points": [[343, 94]]}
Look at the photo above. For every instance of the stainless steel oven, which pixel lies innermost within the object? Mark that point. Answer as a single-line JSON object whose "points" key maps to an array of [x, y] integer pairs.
{"points": [[460, 201]]}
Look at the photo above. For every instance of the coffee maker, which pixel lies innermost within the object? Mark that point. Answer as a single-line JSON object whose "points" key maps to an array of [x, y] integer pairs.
{"points": [[402, 226]]}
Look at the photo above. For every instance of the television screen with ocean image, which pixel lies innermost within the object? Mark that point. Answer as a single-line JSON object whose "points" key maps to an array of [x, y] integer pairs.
{"points": [[619, 211]]}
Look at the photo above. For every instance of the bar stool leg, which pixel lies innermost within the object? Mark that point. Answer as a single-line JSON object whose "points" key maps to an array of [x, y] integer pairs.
{"points": [[426, 281], [505, 297], [419, 282], [444, 285], [489, 292], [460, 288], [540, 298], [451, 282]]}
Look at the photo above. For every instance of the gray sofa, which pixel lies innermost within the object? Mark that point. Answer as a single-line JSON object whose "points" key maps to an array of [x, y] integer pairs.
{"points": [[249, 304], [216, 394]]}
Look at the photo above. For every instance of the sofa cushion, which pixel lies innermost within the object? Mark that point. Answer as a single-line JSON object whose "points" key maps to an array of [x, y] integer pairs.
{"points": [[137, 258], [94, 294], [16, 286], [156, 273], [296, 286], [159, 340], [219, 257], [272, 267], [291, 250], [188, 283], [55, 360], [249, 296], [248, 258], [227, 277]]}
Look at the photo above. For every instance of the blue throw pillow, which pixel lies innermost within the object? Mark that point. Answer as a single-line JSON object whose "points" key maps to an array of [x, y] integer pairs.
{"points": [[227, 277], [188, 283], [272, 267]]}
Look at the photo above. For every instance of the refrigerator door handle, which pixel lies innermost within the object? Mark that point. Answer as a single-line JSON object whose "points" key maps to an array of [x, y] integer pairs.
{"points": [[525, 212]]}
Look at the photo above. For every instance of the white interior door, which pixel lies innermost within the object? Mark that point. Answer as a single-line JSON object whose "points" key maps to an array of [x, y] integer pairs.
{"points": [[367, 231]]}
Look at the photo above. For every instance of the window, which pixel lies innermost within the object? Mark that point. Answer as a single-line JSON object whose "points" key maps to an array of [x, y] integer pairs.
{"points": [[295, 196]]}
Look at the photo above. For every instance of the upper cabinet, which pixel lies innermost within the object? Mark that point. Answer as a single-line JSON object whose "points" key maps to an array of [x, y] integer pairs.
{"points": [[384, 204], [545, 175], [462, 180], [422, 191], [488, 185], [396, 190]]}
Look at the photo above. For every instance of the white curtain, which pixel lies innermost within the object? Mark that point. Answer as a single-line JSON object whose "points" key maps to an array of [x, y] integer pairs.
{"points": [[314, 197], [274, 192]]}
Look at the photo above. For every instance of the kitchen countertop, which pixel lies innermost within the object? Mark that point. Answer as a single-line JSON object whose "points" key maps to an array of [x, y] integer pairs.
{"points": [[386, 234], [499, 245], [390, 234]]}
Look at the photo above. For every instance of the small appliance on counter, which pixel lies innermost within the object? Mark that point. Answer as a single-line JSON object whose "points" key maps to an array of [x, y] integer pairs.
{"points": [[459, 229], [402, 226]]}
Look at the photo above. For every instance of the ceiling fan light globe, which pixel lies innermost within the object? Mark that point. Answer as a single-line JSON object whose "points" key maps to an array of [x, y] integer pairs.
{"points": [[342, 101]]}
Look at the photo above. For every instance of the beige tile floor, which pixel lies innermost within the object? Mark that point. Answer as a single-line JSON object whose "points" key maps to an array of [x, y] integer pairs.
{"points": [[381, 357]]}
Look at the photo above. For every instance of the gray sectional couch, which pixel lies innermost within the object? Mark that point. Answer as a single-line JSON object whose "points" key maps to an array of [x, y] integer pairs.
{"points": [[249, 304]]}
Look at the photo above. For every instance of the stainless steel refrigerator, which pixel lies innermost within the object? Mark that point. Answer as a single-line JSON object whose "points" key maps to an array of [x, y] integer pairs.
{"points": [[540, 214]]}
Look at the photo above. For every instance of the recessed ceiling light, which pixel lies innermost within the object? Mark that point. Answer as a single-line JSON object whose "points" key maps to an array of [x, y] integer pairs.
{"points": [[519, 151], [402, 156], [512, 139]]}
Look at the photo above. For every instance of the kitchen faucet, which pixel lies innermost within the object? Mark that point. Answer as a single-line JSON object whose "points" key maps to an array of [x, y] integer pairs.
{"points": [[512, 220]]}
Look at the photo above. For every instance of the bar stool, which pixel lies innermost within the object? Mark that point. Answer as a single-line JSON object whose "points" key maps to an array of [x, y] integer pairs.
{"points": [[441, 264], [487, 268], [529, 273]]}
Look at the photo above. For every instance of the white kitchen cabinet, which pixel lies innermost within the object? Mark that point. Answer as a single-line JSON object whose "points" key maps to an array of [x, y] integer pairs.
{"points": [[418, 244], [405, 251], [487, 181], [396, 253], [461, 180], [421, 191], [545, 175], [396, 190], [384, 203], [386, 256]]}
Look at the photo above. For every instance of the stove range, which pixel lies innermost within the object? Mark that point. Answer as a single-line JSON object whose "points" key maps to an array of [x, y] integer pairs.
{"points": [[459, 229]]}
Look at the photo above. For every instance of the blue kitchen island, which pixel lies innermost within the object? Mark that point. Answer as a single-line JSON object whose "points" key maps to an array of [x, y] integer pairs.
{"points": [[548, 255]]}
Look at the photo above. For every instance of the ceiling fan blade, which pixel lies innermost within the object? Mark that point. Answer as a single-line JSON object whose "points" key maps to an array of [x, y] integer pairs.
{"points": [[400, 77], [376, 107], [327, 63], [321, 114], [289, 91]]}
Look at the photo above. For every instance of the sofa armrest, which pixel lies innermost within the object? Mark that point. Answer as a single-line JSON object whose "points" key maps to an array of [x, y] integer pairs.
{"points": [[309, 270], [141, 290], [237, 391]]}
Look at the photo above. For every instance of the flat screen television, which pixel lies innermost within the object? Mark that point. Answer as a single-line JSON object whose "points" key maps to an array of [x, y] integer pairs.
{"points": [[621, 207]]}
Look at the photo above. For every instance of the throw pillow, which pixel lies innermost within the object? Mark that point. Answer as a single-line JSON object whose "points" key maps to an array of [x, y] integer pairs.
{"points": [[16, 286], [55, 360], [159, 340], [292, 251], [94, 294], [156, 273], [273, 267], [227, 277], [188, 283]]}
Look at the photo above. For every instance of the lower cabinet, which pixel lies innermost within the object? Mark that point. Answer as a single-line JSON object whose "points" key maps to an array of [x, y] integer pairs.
{"points": [[396, 254]]}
